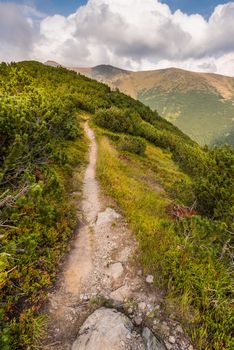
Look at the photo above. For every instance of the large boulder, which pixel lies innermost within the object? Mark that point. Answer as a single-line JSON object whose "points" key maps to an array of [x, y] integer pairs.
{"points": [[105, 329]]}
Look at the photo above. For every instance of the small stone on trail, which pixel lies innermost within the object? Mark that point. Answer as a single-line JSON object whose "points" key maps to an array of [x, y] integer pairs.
{"points": [[172, 339], [190, 347], [84, 297], [115, 271], [107, 216], [138, 320], [165, 329], [142, 306], [150, 279], [151, 341], [120, 294], [179, 329]]}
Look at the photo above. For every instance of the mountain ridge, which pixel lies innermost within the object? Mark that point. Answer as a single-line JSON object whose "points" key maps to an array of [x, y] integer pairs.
{"points": [[200, 104]]}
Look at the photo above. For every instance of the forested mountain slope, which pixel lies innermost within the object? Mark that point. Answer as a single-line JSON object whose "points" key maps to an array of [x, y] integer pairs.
{"points": [[200, 104], [42, 154]]}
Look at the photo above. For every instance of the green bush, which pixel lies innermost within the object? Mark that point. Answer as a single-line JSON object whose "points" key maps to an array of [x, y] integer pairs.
{"points": [[117, 120], [37, 126], [132, 144]]}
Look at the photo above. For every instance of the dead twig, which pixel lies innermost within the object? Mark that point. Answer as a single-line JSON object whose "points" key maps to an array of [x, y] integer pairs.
{"points": [[8, 226], [10, 200], [13, 268]]}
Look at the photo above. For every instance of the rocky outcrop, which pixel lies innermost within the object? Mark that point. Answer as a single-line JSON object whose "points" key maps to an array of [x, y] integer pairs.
{"points": [[107, 329]]}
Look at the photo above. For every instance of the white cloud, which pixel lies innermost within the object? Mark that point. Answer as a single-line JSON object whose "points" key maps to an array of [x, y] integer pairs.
{"points": [[132, 34], [19, 30]]}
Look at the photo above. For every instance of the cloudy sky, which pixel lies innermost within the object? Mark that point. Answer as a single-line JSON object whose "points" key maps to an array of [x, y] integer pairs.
{"points": [[132, 34]]}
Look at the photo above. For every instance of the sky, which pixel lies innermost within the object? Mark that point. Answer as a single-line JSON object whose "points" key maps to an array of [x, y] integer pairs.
{"points": [[131, 34], [65, 7]]}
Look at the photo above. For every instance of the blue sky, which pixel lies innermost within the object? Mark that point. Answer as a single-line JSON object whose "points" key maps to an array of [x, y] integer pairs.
{"points": [[204, 7], [65, 7]]}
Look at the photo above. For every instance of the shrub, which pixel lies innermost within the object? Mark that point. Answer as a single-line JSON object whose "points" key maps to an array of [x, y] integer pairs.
{"points": [[117, 120], [132, 144]]}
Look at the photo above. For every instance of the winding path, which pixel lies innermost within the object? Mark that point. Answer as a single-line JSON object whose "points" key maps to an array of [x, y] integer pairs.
{"points": [[101, 266]]}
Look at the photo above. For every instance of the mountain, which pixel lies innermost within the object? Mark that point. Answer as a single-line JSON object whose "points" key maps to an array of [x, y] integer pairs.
{"points": [[200, 104], [52, 64]]}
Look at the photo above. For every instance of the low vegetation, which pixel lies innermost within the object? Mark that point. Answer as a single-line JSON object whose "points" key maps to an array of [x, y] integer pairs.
{"points": [[191, 256], [42, 148]]}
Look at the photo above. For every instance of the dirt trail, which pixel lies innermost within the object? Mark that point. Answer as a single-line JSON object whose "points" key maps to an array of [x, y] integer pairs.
{"points": [[80, 260], [101, 266]]}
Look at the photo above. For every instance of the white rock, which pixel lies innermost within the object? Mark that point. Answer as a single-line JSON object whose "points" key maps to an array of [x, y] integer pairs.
{"points": [[124, 254], [179, 329], [84, 297], [115, 271], [150, 279], [105, 329], [190, 347], [165, 329], [142, 306], [120, 294], [107, 216], [172, 339], [169, 346], [138, 320]]}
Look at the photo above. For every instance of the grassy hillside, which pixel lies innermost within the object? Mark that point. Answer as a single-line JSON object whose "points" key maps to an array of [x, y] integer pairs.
{"points": [[191, 255], [145, 163], [203, 115], [201, 105], [185, 255]]}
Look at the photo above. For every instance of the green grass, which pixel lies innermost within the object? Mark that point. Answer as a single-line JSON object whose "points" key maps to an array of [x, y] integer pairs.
{"points": [[183, 256]]}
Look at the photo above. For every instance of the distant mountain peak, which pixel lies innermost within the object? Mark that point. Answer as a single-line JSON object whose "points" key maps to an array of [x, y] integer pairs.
{"points": [[52, 63], [107, 69]]}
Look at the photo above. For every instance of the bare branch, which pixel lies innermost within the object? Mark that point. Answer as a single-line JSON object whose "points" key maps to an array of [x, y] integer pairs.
{"points": [[10, 200]]}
